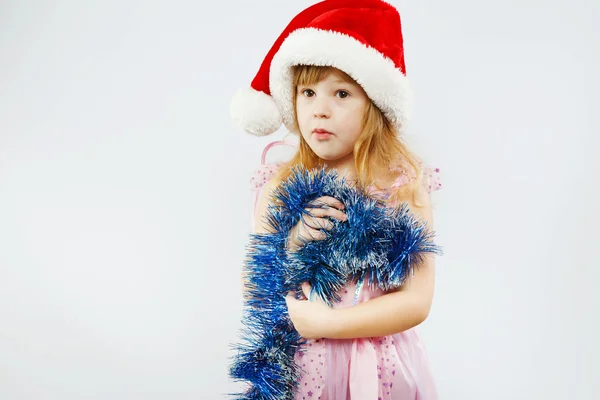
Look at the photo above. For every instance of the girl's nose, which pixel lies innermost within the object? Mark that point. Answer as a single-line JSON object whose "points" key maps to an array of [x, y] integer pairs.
{"points": [[322, 110]]}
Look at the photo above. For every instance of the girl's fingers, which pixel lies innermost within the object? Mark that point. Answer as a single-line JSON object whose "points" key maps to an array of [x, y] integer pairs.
{"points": [[318, 223], [327, 201], [306, 289], [313, 234], [314, 225], [328, 212]]}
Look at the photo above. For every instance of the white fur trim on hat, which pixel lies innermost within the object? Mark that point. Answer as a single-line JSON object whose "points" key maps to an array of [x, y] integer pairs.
{"points": [[385, 84], [255, 112]]}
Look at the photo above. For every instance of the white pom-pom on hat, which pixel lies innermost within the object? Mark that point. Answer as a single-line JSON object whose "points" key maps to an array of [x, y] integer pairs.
{"points": [[255, 112]]}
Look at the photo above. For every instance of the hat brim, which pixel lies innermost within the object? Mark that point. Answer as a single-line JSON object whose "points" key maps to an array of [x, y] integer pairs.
{"points": [[385, 84]]}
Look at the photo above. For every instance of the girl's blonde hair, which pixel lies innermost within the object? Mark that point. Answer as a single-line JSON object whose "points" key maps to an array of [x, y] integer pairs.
{"points": [[378, 146]]}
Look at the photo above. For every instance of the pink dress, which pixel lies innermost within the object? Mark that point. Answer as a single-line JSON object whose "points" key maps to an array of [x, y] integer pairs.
{"points": [[392, 367]]}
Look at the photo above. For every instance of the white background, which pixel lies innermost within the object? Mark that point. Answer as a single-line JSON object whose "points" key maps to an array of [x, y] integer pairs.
{"points": [[125, 203]]}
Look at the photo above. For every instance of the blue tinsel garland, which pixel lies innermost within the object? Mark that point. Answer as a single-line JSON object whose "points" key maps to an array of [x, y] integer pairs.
{"points": [[378, 244]]}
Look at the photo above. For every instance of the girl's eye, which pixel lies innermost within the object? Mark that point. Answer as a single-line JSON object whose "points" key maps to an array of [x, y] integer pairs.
{"points": [[308, 92], [343, 94]]}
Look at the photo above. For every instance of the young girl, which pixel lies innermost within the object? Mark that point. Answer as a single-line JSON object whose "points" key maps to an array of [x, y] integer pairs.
{"points": [[336, 77]]}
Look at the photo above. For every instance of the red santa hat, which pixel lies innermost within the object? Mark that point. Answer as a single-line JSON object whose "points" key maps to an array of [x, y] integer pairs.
{"points": [[363, 38]]}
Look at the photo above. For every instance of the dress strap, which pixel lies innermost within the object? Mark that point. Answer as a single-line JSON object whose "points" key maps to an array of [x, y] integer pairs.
{"points": [[263, 158]]}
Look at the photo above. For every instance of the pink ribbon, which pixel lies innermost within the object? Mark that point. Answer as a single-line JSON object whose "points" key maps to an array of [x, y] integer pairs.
{"points": [[356, 379]]}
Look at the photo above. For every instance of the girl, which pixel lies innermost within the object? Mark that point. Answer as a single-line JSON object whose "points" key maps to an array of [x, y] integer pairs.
{"points": [[336, 77]]}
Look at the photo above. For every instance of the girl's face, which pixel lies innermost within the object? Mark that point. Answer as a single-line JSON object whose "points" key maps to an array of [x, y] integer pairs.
{"points": [[330, 116]]}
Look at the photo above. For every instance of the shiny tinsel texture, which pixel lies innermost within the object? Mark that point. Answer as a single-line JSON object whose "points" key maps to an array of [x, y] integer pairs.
{"points": [[381, 245]]}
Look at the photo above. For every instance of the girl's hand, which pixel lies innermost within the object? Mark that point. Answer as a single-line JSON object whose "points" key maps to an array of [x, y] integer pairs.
{"points": [[313, 319], [309, 227]]}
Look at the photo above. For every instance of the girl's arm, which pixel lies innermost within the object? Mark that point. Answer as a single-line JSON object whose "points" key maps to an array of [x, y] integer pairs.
{"points": [[259, 224], [397, 311]]}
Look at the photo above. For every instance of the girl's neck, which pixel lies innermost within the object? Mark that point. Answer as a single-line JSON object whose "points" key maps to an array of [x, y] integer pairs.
{"points": [[346, 168]]}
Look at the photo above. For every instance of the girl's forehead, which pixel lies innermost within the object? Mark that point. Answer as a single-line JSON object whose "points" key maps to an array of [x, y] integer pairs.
{"points": [[335, 77]]}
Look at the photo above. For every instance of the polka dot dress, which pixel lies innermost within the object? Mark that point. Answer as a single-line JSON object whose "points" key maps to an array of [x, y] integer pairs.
{"points": [[383, 368], [393, 367]]}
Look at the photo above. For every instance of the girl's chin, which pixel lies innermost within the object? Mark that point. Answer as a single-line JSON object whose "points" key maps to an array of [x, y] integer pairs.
{"points": [[329, 156]]}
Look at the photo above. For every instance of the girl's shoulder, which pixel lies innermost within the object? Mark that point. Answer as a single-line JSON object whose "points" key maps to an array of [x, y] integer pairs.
{"points": [[262, 175], [266, 171], [430, 179], [431, 176]]}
